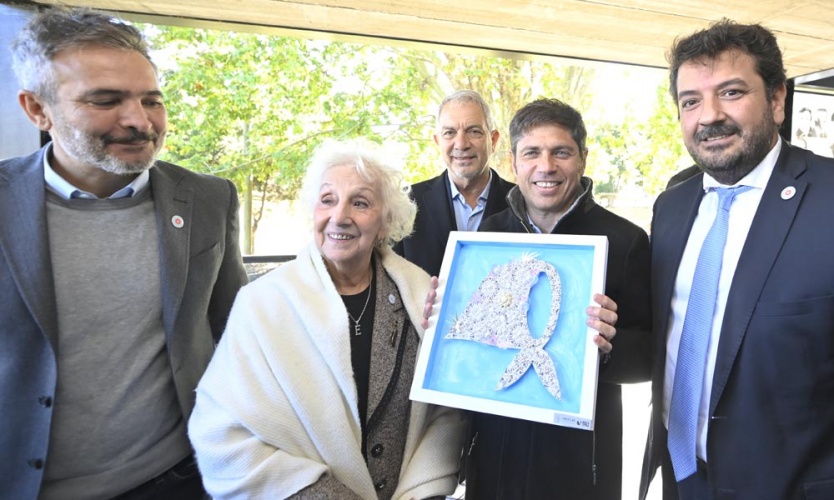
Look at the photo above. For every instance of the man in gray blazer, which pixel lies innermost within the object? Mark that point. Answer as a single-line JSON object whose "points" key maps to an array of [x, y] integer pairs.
{"points": [[117, 273]]}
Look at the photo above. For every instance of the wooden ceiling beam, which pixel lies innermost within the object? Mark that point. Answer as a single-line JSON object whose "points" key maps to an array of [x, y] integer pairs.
{"points": [[627, 31]]}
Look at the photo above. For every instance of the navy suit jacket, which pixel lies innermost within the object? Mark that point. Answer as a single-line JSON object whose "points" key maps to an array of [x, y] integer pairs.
{"points": [[771, 413], [436, 218], [201, 272]]}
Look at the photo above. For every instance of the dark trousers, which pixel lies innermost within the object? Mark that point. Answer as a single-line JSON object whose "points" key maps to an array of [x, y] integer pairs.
{"points": [[180, 482]]}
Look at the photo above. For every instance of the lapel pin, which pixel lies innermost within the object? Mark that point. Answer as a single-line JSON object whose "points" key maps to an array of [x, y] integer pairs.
{"points": [[177, 221], [788, 192], [391, 298]]}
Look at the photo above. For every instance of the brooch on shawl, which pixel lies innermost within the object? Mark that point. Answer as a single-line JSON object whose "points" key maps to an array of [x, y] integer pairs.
{"points": [[496, 315]]}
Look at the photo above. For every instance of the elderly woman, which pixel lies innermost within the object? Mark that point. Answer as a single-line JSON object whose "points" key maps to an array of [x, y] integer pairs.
{"points": [[307, 394]]}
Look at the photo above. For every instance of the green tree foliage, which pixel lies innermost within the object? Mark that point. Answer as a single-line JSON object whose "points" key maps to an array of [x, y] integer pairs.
{"points": [[661, 153], [643, 153], [612, 163], [252, 108]]}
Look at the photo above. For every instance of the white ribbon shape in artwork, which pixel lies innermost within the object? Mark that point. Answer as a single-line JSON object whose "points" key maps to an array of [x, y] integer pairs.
{"points": [[496, 315]]}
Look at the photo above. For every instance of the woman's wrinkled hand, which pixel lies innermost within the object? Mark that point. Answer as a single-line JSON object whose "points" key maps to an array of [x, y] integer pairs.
{"points": [[430, 298]]}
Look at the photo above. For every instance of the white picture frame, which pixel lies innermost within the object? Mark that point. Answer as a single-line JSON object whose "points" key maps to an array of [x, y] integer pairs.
{"points": [[467, 352]]}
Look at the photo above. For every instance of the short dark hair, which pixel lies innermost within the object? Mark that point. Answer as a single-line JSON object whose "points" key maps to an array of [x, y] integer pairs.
{"points": [[548, 112], [752, 39], [57, 29]]}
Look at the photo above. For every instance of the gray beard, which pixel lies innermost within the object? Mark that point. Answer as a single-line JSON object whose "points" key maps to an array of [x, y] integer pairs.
{"points": [[90, 150]]}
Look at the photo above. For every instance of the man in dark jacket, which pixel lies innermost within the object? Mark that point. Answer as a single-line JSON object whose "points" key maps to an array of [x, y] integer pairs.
{"points": [[743, 374], [518, 459], [467, 192]]}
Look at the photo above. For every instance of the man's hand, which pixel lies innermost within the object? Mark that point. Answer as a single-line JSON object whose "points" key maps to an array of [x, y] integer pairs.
{"points": [[602, 319]]}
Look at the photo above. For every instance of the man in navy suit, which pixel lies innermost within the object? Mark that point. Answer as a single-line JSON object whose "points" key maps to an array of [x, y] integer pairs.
{"points": [[117, 274], [467, 192], [765, 422]]}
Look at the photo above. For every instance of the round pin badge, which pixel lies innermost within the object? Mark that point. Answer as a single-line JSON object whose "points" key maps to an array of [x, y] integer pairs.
{"points": [[788, 192], [177, 221]]}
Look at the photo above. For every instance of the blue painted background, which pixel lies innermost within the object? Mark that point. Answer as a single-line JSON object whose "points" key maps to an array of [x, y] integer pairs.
{"points": [[472, 369]]}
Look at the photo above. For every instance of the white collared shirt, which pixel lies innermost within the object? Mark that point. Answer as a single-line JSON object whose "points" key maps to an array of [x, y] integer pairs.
{"points": [[741, 217], [63, 188]]}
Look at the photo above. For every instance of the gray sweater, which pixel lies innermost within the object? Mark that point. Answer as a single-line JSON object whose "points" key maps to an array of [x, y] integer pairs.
{"points": [[117, 421]]}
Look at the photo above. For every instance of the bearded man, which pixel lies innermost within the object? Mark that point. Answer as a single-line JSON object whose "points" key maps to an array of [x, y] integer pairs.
{"points": [[117, 274], [742, 286]]}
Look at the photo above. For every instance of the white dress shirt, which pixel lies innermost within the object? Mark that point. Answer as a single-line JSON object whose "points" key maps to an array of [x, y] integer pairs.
{"points": [[741, 216]]}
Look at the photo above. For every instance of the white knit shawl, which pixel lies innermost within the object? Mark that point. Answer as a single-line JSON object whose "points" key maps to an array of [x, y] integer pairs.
{"points": [[277, 407]]}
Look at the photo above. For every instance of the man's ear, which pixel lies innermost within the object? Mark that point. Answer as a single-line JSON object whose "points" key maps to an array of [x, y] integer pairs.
{"points": [[584, 162], [35, 109], [493, 137], [777, 102]]}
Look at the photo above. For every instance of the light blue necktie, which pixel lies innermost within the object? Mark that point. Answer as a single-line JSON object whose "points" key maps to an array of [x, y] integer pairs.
{"points": [[692, 352]]}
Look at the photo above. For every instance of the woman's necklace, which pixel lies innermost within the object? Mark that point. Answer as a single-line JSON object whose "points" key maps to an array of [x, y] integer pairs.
{"points": [[357, 329]]}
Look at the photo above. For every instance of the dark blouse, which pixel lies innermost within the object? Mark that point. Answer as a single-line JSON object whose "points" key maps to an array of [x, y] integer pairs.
{"points": [[360, 346]]}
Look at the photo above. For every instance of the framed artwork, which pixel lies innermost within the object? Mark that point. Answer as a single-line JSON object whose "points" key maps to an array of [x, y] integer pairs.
{"points": [[510, 336], [812, 122]]}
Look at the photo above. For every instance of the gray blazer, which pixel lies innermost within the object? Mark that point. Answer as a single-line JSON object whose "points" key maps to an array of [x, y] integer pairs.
{"points": [[201, 271]]}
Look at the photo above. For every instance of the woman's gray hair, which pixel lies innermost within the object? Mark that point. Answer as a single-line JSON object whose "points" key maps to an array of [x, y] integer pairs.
{"points": [[57, 29], [398, 210]]}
